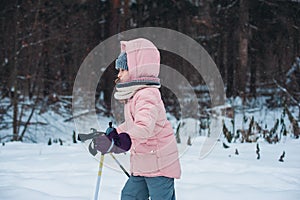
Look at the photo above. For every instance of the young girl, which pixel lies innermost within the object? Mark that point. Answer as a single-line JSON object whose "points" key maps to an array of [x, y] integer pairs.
{"points": [[154, 161]]}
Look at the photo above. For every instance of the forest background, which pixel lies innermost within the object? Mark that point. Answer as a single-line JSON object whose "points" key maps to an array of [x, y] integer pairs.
{"points": [[254, 43]]}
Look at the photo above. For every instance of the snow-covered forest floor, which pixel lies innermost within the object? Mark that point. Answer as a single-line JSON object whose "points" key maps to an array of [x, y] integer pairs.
{"points": [[39, 171], [35, 170]]}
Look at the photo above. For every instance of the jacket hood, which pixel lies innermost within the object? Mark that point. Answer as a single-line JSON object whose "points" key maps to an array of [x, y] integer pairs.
{"points": [[143, 60]]}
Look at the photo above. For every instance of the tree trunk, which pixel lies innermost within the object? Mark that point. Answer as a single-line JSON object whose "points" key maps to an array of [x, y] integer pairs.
{"points": [[14, 88], [253, 74], [241, 70], [230, 64], [114, 17]]}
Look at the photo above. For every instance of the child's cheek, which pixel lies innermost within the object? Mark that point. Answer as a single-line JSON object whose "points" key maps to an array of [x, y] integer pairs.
{"points": [[125, 77]]}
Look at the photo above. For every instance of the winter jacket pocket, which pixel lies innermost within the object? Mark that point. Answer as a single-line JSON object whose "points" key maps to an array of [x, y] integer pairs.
{"points": [[167, 154], [144, 163], [144, 157], [149, 146]]}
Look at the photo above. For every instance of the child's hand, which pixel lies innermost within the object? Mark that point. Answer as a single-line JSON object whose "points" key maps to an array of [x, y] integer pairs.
{"points": [[113, 142]]}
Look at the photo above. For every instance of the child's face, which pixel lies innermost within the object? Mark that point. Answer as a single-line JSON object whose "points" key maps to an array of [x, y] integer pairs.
{"points": [[123, 75]]}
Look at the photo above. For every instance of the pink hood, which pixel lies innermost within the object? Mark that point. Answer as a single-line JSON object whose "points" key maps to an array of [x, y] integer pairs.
{"points": [[143, 59]]}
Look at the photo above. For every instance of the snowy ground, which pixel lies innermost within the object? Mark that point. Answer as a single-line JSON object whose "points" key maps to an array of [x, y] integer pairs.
{"points": [[39, 171]]}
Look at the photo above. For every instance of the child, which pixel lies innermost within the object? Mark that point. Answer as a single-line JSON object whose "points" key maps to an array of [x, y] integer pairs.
{"points": [[154, 160]]}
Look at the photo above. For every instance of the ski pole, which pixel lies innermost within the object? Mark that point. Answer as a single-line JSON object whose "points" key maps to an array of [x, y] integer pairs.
{"points": [[94, 134], [108, 130], [99, 177], [121, 166]]}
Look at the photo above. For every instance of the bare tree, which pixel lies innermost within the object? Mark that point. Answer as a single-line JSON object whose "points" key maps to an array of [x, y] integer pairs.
{"points": [[242, 67]]}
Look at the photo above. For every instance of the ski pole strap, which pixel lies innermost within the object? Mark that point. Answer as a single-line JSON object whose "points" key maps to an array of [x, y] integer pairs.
{"points": [[111, 146], [90, 136], [84, 137], [92, 150]]}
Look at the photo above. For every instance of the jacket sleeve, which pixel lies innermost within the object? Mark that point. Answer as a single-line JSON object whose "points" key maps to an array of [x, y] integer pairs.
{"points": [[121, 128], [145, 114]]}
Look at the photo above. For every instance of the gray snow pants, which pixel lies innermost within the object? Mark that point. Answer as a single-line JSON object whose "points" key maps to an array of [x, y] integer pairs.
{"points": [[140, 188]]}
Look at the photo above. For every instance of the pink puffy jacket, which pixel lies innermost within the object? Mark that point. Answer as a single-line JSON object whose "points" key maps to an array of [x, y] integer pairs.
{"points": [[154, 150]]}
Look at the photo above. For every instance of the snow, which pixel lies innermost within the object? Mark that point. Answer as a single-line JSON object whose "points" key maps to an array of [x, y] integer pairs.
{"points": [[39, 171]]}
